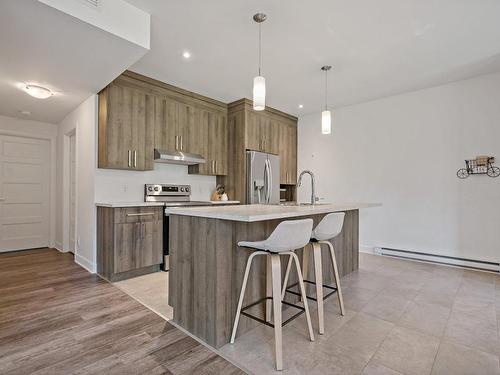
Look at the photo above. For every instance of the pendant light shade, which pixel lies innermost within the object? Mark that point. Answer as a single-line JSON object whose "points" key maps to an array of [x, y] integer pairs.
{"points": [[259, 82], [326, 115], [326, 122], [259, 93]]}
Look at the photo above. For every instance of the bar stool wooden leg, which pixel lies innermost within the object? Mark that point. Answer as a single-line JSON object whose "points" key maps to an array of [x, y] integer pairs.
{"points": [[318, 273], [304, 296], [305, 264], [287, 274], [269, 289], [278, 338], [337, 277], [242, 292]]}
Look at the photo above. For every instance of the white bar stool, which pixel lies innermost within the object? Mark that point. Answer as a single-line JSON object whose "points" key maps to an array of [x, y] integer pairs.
{"points": [[287, 237], [329, 228]]}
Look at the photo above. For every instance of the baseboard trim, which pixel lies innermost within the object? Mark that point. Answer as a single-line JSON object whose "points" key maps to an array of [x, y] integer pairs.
{"points": [[447, 260], [85, 263], [366, 249]]}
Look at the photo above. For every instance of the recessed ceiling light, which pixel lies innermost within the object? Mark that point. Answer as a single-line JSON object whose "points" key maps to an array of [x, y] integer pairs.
{"points": [[186, 54], [26, 113], [301, 106], [38, 92]]}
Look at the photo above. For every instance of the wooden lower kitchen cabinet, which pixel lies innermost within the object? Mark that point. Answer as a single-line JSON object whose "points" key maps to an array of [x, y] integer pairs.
{"points": [[129, 241]]}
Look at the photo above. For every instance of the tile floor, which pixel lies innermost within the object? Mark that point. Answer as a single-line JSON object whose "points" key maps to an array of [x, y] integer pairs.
{"points": [[151, 290], [402, 318]]}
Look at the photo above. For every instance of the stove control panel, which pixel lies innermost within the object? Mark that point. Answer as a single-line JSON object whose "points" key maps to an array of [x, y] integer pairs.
{"points": [[167, 190]]}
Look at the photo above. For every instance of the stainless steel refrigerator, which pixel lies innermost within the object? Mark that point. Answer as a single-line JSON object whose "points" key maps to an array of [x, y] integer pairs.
{"points": [[263, 178]]}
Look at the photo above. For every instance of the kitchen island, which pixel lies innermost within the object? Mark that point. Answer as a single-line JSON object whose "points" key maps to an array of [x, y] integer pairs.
{"points": [[207, 266]]}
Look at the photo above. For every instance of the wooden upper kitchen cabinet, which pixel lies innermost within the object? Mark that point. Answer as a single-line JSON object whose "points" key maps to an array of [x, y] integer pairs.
{"points": [[138, 114], [261, 132], [288, 153], [270, 131], [212, 138], [129, 241], [126, 128], [175, 124]]}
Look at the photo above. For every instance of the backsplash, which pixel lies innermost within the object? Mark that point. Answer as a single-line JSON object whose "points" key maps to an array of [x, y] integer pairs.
{"points": [[128, 186]]}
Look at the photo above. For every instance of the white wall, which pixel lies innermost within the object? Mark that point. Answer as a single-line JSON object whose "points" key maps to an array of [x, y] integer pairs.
{"points": [[16, 126], [126, 186], [117, 17], [103, 185], [82, 120], [403, 151]]}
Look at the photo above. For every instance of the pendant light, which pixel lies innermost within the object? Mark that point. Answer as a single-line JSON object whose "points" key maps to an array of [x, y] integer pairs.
{"points": [[326, 115], [259, 82]]}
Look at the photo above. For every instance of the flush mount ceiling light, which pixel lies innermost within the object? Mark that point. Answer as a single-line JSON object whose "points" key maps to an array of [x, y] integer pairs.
{"points": [[186, 54], [326, 115], [301, 106], [38, 92], [259, 82]]}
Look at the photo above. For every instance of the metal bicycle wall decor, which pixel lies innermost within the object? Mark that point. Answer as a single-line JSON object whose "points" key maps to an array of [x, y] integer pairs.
{"points": [[479, 165]]}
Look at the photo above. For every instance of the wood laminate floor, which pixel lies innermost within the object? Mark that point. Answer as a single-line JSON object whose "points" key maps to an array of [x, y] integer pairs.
{"points": [[56, 318]]}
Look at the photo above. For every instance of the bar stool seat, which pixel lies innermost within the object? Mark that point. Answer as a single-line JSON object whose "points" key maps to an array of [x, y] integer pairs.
{"points": [[287, 237], [328, 228]]}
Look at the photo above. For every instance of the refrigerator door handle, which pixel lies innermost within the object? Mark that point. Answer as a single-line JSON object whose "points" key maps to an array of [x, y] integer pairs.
{"points": [[270, 171], [269, 181]]}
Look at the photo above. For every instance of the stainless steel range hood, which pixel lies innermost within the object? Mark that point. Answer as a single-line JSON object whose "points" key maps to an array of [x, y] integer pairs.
{"points": [[177, 157]]}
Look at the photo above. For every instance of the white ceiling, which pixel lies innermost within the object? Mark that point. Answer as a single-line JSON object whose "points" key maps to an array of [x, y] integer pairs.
{"points": [[40, 44], [378, 48]]}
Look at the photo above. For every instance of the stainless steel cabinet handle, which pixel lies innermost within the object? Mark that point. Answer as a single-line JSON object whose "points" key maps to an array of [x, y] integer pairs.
{"points": [[129, 158], [176, 143], [181, 143], [216, 167], [135, 158], [142, 214]]}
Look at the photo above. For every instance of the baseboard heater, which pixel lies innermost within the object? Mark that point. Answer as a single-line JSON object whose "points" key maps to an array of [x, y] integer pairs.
{"points": [[439, 259]]}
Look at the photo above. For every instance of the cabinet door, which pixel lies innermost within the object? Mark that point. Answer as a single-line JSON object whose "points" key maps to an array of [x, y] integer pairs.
{"points": [[137, 245], [283, 152], [252, 132], [143, 108], [187, 140], [166, 124], [115, 127], [288, 153], [218, 146], [270, 135], [292, 155]]}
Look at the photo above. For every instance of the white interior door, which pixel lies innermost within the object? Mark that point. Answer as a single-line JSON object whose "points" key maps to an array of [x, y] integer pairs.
{"points": [[72, 192], [24, 193]]}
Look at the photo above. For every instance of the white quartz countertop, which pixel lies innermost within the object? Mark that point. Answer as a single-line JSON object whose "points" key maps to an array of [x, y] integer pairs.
{"points": [[260, 212], [153, 204]]}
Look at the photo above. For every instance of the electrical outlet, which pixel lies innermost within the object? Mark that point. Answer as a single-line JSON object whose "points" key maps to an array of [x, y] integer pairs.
{"points": [[124, 188]]}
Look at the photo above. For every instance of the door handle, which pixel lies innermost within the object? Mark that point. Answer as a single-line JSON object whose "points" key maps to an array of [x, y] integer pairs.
{"points": [[270, 171], [129, 158], [135, 158], [142, 214]]}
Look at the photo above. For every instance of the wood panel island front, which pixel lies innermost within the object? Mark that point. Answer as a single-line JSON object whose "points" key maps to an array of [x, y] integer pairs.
{"points": [[207, 266]]}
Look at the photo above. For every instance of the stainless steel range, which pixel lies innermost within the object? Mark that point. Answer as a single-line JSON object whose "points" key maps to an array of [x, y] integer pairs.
{"points": [[171, 196]]}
